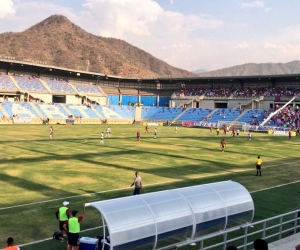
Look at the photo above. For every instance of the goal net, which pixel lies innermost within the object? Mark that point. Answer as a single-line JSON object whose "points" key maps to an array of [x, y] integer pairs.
{"points": [[230, 125]]}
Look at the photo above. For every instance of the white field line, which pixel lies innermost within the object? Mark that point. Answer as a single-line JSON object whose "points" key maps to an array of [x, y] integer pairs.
{"points": [[113, 190], [39, 241], [68, 197], [153, 184]]}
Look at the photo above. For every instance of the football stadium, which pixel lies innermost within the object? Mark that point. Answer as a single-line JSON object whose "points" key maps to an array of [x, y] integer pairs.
{"points": [[77, 138]]}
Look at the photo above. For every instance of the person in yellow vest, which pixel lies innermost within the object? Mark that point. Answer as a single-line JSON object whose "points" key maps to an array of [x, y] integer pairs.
{"points": [[10, 244], [73, 227], [62, 214], [258, 165]]}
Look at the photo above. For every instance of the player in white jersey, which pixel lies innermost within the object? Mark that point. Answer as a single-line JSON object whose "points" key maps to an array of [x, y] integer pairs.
{"points": [[101, 138], [51, 131]]}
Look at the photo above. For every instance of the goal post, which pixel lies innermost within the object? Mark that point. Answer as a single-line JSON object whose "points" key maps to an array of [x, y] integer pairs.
{"points": [[230, 124], [246, 127]]}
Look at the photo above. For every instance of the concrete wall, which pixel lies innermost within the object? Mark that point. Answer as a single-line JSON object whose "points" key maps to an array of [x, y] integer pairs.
{"points": [[44, 97], [208, 104], [71, 99]]}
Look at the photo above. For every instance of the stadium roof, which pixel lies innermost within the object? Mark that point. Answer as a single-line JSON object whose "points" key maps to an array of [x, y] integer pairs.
{"points": [[9, 64]]}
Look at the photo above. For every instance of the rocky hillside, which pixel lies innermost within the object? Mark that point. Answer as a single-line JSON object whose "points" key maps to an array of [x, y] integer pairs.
{"points": [[58, 42], [250, 69]]}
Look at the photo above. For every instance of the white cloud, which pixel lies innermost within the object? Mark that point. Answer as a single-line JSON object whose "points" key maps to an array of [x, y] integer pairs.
{"points": [[168, 35], [242, 46], [269, 45], [30, 13], [253, 4], [288, 50], [125, 18], [187, 41], [177, 46], [268, 9], [6, 8]]}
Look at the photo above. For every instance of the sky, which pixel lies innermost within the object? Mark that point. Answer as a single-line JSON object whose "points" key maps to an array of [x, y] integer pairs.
{"points": [[188, 34]]}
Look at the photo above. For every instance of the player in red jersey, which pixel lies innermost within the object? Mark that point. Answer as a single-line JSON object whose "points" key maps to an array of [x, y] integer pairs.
{"points": [[223, 144], [233, 132], [146, 129], [225, 130], [290, 134], [138, 136]]}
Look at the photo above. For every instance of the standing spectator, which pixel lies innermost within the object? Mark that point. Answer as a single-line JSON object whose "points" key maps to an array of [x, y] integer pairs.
{"points": [[260, 244], [10, 244], [74, 229], [223, 144], [62, 214], [137, 182], [258, 165]]}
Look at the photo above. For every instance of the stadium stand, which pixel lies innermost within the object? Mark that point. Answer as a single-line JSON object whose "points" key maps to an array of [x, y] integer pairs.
{"points": [[220, 92], [288, 117], [190, 92], [195, 114], [250, 92], [283, 91], [59, 86], [160, 113], [215, 92], [116, 111], [56, 93], [19, 109], [6, 84], [87, 89], [80, 110], [51, 110], [223, 114], [30, 84], [252, 117]]}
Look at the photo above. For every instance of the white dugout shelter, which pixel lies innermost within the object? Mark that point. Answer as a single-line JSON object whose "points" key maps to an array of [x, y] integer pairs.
{"points": [[162, 219]]}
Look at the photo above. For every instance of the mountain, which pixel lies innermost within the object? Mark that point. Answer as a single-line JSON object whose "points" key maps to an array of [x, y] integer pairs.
{"points": [[250, 69], [198, 71], [58, 42]]}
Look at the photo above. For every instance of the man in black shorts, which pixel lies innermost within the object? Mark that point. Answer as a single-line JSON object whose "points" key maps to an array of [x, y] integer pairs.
{"points": [[62, 215], [74, 229], [258, 166]]}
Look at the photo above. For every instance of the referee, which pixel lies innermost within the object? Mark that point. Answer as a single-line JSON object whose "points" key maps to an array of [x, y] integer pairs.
{"points": [[258, 166]]}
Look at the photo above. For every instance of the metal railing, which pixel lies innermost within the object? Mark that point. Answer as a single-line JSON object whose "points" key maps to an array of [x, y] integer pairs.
{"points": [[271, 229]]}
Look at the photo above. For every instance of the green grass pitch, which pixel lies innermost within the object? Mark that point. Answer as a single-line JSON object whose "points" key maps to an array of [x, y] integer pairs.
{"points": [[38, 174]]}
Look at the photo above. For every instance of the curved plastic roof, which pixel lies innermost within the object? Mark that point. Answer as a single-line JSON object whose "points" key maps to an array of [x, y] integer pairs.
{"points": [[161, 219]]}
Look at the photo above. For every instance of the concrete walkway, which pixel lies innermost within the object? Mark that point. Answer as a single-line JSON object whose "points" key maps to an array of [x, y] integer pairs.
{"points": [[287, 243]]}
